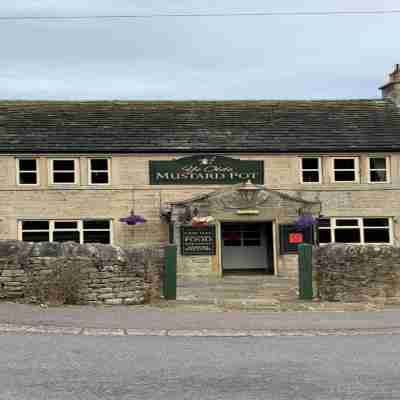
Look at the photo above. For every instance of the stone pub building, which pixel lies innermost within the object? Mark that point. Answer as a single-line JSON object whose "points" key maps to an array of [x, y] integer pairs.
{"points": [[224, 180]]}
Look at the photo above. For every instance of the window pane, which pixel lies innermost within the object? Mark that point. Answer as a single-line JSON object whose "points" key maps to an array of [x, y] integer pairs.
{"points": [[232, 243], [64, 236], [35, 225], [96, 224], [252, 242], [251, 235], [35, 236], [346, 222], [96, 237], [309, 163], [27, 165], [65, 225], [63, 165], [347, 236], [378, 176], [231, 227], [27, 178], [345, 176], [310, 176], [377, 163], [376, 235], [324, 222], [344, 163], [99, 177], [324, 235], [232, 238], [99, 164], [376, 222], [63, 177]]}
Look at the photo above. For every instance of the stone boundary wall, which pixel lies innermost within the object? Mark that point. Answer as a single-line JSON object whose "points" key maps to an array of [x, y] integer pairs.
{"points": [[103, 274], [354, 273]]}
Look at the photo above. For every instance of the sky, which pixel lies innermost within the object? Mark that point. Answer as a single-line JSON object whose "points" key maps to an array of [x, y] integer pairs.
{"points": [[270, 57]]}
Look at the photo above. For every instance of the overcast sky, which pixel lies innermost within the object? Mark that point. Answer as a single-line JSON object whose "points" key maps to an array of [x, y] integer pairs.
{"points": [[275, 57]]}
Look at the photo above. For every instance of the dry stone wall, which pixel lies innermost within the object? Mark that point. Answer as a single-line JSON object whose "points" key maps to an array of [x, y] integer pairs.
{"points": [[80, 273], [354, 273]]}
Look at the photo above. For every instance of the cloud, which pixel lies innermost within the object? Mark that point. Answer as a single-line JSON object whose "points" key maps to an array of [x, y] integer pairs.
{"points": [[287, 57]]}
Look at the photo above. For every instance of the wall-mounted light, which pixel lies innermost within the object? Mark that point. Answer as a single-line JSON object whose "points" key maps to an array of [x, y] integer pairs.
{"points": [[248, 191]]}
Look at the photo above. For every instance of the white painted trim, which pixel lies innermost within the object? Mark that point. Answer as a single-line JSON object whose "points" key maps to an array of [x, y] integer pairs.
{"points": [[360, 226], [18, 171], [275, 226], [263, 221], [79, 227], [388, 175], [218, 233], [319, 170], [90, 183], [356, 169], [75, 171]]}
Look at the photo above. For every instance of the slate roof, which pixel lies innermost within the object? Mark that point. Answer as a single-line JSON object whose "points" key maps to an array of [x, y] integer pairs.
{"points": [[199, 126]]}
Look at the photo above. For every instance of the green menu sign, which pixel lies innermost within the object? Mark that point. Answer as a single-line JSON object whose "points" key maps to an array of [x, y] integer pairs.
{"points": [[198, 241], [206, 170]]}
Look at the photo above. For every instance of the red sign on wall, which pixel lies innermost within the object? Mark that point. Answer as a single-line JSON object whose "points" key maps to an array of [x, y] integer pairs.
{"points": [[296, 237]]}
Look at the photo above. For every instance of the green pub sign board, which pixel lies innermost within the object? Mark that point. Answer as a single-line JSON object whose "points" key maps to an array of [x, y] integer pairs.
{"points": [[198, 241], [206, 170]]}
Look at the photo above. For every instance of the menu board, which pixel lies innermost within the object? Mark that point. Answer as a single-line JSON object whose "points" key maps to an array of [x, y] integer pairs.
{"points": [[198, 241]]}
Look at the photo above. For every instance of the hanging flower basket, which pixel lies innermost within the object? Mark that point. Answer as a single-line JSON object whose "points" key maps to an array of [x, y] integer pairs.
{"points": [[305, 221], [133, 219], [201, 221]]}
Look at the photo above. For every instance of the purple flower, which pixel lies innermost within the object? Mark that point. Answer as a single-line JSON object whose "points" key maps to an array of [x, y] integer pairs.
{"points": [[305, 221], [133, 219]]}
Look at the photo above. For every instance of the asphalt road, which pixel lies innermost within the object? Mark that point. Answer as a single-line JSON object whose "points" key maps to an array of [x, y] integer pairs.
{"points": [[78, 367]]}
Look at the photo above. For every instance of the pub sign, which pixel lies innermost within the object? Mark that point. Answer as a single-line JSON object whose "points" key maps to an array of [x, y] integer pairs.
{"points": [[206, 170], [198, 241]]}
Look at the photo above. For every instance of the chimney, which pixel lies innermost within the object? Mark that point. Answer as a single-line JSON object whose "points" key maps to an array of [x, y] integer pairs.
{"points": [[391, 90]]}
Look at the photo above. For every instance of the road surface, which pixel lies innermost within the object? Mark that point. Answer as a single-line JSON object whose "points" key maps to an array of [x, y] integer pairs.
{"points": [[78, 367]]}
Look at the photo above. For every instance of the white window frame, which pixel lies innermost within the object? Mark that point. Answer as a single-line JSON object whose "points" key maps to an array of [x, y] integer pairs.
{"points": [[90, 170], [25, 170], [361, 227], [52, 229], [356, 169], [110, 229], [20, 230], [319, 170], [75, 171], [387, 170]]}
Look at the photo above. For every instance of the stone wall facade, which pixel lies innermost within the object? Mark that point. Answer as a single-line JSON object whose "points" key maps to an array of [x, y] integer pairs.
{"points": [[130, 188], [102, 274], [354, 273]]}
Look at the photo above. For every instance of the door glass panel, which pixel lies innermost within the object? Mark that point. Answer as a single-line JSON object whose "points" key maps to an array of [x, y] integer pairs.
{"points": [[251, 238], [232, 238]]}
